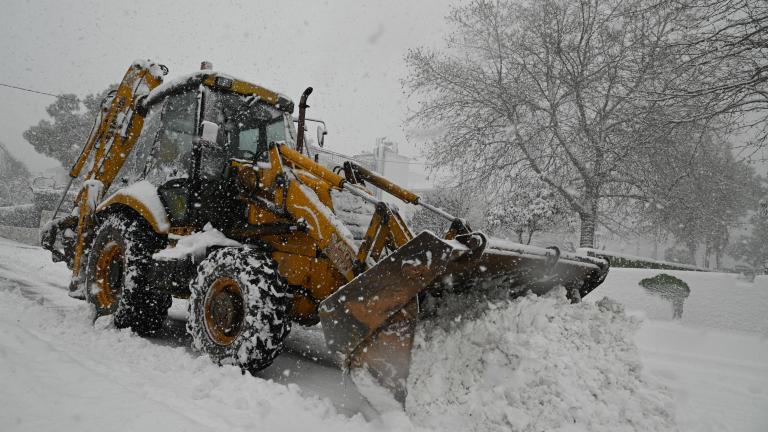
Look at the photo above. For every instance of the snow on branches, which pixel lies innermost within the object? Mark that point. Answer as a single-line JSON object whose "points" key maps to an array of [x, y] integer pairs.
{"points": [[576, 92], [524, 208]]}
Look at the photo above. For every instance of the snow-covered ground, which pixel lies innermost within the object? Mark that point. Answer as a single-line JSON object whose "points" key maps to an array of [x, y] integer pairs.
{"points": [[716, 357], [708, 371], [717, 300]]}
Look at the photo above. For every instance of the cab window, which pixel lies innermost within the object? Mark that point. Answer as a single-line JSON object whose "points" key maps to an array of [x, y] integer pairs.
{"points": [[172, 148]]}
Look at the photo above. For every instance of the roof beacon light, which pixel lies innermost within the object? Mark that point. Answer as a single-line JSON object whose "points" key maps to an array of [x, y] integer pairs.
{"points": [[206, 65]]}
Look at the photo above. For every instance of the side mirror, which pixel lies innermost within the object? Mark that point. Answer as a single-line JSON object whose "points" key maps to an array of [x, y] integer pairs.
{"points": [[321, 133], [210, 131]]}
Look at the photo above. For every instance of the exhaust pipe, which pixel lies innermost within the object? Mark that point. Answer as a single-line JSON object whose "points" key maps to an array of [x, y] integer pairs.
{"points": [[302, 110]]}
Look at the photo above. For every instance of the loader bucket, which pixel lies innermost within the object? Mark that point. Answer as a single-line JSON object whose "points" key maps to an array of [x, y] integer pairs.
{"points": [[369, 323]]}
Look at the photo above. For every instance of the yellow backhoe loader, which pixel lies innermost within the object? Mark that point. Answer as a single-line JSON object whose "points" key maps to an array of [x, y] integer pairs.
{"points": [[202, 188]]}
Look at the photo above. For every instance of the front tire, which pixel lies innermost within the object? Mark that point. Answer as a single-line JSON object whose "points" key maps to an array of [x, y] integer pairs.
{"points": [[239, 309], [117, 275]]}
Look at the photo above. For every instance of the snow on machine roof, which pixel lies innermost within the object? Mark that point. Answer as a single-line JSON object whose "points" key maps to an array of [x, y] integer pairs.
{"points": [[218, 80]]}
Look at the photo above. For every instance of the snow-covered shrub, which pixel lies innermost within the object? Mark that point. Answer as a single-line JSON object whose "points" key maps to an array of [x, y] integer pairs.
{"points": [[524, 208]]}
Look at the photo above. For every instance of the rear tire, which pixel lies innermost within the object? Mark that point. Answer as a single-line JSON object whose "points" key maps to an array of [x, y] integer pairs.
{"points": [[117, 275], [239, 309]]}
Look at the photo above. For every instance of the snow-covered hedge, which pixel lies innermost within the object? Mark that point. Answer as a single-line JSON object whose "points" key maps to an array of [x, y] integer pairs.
{"points": [[46, 199], [533, 364], [30, 236], [632, 261], [24, 215]]}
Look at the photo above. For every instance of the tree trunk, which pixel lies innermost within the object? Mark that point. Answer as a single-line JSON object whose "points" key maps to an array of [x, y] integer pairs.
{"points": [[588, 221], [691, 252], [587, 237], [707, 254]]}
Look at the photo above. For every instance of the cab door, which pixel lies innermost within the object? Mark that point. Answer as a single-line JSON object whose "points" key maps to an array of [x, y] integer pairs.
{"points": [[170, 165]]}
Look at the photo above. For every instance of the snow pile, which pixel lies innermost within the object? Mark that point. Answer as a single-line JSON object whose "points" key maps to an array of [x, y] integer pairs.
{"points": [[194, 245], [534, 364]]}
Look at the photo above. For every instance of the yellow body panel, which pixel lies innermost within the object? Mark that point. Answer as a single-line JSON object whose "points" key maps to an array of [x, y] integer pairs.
{"points": [[297, 254], [245, 88], [317, 276], [317, 185], [259, 215], [295, 243]]}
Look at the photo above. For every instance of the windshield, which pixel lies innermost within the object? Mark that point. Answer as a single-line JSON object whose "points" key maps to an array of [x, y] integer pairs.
{"points": [[246, 125]]}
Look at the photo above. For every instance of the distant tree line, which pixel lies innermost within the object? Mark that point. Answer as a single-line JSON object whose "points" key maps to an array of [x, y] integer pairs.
{"points": [[14, 180], [63, 135]]}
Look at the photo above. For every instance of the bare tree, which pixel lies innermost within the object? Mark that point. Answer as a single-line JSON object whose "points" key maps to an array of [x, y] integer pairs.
{"points": [[721, 59], [554, 87], [698, 201], [753, 249]]}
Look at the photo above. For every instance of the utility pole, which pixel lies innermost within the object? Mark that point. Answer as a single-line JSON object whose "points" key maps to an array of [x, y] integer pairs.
{"points": [[379, 155]]}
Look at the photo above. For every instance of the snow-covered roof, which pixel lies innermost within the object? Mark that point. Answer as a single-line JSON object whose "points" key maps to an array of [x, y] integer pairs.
{"points": [[209, 78]]}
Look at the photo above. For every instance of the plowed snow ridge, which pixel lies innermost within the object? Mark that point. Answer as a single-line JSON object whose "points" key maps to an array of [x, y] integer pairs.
{"points": [[535, 364]]}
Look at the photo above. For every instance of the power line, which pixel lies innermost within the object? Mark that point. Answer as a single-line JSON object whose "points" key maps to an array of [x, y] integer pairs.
{"points": [[38, 92], [321, 150]]}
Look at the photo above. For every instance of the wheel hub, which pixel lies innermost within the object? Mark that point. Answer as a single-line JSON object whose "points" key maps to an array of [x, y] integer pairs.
{"points": [[109, 275], [224, 311]]}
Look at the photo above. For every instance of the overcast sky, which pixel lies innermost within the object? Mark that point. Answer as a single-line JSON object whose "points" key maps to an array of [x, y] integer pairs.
{"points": [[351, 52]]}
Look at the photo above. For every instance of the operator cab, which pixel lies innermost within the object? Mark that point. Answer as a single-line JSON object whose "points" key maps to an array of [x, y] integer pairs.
{"points": [[194, 127]]}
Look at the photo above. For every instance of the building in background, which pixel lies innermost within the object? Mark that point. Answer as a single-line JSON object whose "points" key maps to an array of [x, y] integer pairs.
{"points": [[386, 160]]}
